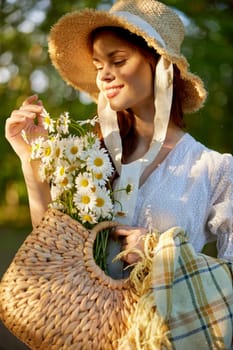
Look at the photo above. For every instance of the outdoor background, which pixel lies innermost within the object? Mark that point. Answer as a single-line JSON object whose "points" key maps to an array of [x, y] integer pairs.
{"points": [[25, 69]]}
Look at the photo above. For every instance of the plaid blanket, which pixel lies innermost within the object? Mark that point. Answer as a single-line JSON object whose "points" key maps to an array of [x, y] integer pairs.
{"points": [[194, 294]]}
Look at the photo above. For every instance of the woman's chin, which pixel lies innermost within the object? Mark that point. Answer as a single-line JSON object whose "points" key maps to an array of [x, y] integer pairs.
{"points": [[116, 106]]}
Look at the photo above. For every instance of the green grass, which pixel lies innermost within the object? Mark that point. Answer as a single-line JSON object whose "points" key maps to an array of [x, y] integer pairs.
{"points": [[14, 227]]}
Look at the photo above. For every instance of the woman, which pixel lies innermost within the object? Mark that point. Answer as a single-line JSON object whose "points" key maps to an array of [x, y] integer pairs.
{"points": [[129, 61], [185, 184]]}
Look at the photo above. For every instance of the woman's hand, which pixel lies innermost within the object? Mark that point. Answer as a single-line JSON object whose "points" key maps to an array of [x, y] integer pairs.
{"points": [[28, 120], [132, 237], [21, 121]]}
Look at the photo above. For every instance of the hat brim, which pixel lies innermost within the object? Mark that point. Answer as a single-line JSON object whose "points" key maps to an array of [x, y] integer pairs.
{"points": [[69, 49]]}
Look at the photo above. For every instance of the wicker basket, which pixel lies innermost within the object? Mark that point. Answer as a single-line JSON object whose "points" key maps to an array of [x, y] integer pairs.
{"points": [[55, 297]]}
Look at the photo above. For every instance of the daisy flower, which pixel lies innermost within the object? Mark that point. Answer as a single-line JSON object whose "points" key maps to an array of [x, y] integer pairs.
{"points": [[84, 182], [48, 122], [91, 122], [104, 205], [90, 141], [98, 162], [47, 151], [36, 146], [64, 181], [88, 217], [62, 124], [45, 172], [58, 147], [74, 167], [56, 192], [100, 178], [62, 177], [73, 148], [84, 201]]}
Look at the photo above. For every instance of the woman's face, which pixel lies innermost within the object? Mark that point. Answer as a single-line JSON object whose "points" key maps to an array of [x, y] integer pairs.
{"points": [[124, 74]]}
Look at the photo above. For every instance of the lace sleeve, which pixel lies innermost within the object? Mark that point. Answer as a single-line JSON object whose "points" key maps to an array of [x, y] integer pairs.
{"points": [[220, 222]]}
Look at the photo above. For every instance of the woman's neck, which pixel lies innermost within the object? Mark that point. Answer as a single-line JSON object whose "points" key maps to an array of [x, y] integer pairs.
{"points": [[174, 134], [144, 130]]}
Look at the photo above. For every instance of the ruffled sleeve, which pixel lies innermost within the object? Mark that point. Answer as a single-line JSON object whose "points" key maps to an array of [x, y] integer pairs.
{"points": [[220, 220]]}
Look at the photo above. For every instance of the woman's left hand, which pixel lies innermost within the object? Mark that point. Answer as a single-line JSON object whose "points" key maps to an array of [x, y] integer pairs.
{"points": [[132, 237]]}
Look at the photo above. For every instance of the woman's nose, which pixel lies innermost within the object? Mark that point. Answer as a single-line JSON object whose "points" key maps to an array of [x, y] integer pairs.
{"points": [[106, 74]]}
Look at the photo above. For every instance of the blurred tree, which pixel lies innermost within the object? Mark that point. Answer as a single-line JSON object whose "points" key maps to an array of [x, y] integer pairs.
{"points": [[209, 48], [25, 68]]}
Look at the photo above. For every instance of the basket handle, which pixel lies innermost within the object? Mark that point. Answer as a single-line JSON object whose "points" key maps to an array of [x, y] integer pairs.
{"points": [[89, 258], [103, 226]]}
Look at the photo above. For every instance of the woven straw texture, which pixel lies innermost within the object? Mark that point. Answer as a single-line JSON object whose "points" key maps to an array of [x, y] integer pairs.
{"points": [[54, 296]]}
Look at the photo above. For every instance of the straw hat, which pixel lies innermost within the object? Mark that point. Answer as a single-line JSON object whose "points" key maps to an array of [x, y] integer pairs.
{"points": [[160, 27]]}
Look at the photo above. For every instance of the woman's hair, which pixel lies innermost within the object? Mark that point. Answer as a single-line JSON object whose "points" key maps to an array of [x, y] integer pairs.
{"points": [[126, 118]]}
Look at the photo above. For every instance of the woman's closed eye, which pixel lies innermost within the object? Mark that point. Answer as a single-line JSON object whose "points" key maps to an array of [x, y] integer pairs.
{"points": [[98, 68], [98, 65], [119, 62]]}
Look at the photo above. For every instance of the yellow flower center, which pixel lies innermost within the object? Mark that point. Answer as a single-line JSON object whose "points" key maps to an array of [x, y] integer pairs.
{"points": [[98, 176], [64, 181], [47, 120], [93, 189], [57, 153], [87, 218], [62, 171], [74, 150], [98, 162], [84, 183], [85, 199], [48, 151], [72, 167], [100, 202]]}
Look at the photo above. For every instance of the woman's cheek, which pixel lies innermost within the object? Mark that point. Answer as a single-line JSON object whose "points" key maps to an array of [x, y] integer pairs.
{"points": [[98, 83]]}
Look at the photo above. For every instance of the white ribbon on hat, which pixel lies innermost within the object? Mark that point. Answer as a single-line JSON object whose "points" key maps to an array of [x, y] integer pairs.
{"points": [[129, 174], [142, 24]]}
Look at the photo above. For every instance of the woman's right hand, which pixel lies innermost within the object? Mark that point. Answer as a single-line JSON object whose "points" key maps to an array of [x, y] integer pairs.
{"points": [[23, 120]]}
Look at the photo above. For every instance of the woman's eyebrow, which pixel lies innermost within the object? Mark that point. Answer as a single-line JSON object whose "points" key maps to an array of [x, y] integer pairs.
{"points": [[109, 55]]}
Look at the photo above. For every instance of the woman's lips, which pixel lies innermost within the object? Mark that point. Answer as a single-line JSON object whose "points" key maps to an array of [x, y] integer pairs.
{"points": [[111, 92]]}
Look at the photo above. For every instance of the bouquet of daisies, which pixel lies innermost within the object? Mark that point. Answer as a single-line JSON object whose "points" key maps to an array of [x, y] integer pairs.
{"points": [[78, 170]]}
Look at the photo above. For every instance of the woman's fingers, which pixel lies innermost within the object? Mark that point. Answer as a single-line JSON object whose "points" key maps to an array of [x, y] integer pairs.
{"points": [[31, 111], [23, 120], [131, 238], [14, 125], [24, 116], [17, 122], [30, 100], [40, 116], [128, 231], [121, 230], [31, 104]]}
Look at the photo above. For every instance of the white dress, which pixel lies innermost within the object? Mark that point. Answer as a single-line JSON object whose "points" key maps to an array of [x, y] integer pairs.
{"points": [[193, 189]]}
